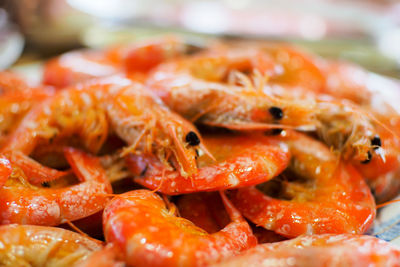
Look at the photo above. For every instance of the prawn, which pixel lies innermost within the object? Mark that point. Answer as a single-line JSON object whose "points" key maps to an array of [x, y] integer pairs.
{"points": [[213, 89], [373, 94], [330, 197], [239, 161], [77, 66], [37, 246], [24, 203], [88, 113], [320, 251], [293, 68], [148, 234], [380, 96], [16, 99], [382, 173], [145, 55]]}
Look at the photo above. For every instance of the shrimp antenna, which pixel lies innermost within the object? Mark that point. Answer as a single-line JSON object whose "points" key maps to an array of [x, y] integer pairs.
{"points": [[207, 152], [161, 182], [260, 80], [387, 203], [251, 126]]}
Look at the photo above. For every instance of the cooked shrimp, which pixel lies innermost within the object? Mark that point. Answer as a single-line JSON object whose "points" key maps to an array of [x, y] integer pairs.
{"points": [[16, 99], [39, 246], [23, 203], [320, 251], [331, 196], [145, 55], [205, 88], [148, 234], [375, 96], [89, 112], [77, 66], [380, 96], [240, 161], [213, 89], [383, 173], [293, 67]]}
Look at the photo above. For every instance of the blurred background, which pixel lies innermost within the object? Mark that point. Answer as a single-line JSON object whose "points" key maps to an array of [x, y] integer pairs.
{"points": [[363, 31]]}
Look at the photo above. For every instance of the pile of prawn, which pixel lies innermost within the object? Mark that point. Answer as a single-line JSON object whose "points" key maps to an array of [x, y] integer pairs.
{"points": [[159, 153]]}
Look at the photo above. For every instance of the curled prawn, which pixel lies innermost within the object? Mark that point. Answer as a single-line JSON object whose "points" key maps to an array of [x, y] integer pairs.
{"points": [[213, 88], [139, 224], [24, 203], [37, 246], [329, 196], [319, 251], [380, 96], [239, 161], [88, 113], [383, 173]]}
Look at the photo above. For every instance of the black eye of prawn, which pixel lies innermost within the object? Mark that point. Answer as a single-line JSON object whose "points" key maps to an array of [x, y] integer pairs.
{"points": [[192, 139], [276, 112], [277, 131], [376, 142], [369, 157], [45, 184]]}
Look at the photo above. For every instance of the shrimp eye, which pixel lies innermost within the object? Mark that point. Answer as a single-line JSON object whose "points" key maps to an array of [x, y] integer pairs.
{"points": [[45, 184], [192, 139], [276, 112], [276, 131], [369, 157], [376, 142]]}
